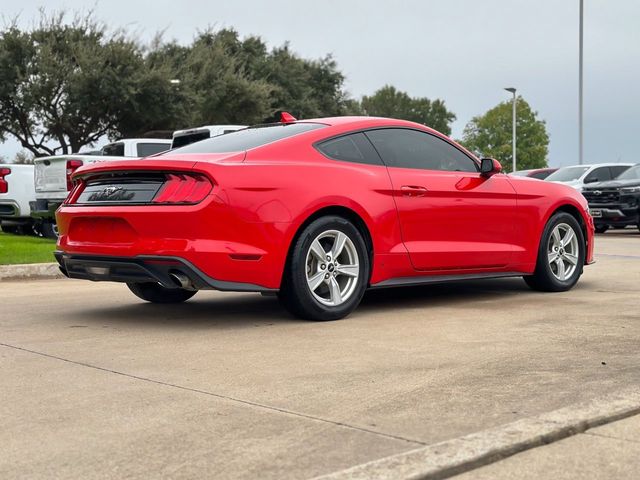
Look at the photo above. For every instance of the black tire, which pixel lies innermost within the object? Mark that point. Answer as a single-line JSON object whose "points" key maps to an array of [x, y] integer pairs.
{"points": [[49, 229], [543, 278], [602, 228], [155, 293], [295, 293]]}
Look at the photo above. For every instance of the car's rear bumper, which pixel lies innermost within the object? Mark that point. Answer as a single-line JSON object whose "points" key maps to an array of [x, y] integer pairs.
{"points": [[213, 238], [145, 268]]}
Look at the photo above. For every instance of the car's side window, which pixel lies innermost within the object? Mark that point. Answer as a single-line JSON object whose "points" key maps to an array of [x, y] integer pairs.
{"points": [[601, 174], [146, 149], [350, 148], [406, 148]]}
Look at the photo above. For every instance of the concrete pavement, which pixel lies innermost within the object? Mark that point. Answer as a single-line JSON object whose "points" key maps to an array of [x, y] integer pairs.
{"points": [[102, 385]]}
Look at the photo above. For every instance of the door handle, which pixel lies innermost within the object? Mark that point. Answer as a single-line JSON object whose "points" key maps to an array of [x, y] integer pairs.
{"points": [[413, 191]]}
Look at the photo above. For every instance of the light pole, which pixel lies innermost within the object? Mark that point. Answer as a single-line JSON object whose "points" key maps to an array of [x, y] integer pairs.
{"points": [[513, 90], [580, 85]]}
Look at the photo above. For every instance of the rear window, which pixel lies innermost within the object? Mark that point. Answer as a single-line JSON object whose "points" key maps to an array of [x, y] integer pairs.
{"points": [[189, 138], [113, 150], [146, 149], [247, 138]]}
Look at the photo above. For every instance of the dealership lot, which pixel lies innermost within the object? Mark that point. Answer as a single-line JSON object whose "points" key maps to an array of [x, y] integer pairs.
{"points": [[97, 384]]}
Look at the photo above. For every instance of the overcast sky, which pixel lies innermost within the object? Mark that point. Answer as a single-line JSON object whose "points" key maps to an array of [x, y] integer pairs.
{"points": [[463, 51]]}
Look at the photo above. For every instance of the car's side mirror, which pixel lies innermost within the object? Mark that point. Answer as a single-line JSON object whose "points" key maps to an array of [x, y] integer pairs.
{"points": [[591, 180], [489, 166]]}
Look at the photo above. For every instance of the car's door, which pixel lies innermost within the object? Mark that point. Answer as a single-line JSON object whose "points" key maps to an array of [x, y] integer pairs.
{"points": [[450, 216]]}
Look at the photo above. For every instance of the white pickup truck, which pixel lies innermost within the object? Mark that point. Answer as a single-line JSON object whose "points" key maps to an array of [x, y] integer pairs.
{"points": [[52, 175], [16, 191]]}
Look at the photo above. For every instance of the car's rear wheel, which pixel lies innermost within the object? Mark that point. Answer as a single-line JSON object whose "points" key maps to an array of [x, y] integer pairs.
{"points": [[560, 255], [156, 293], [602, 228], [327, 272]]}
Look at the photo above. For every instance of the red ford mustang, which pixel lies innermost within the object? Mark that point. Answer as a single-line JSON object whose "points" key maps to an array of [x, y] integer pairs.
{"points": [[318, 211]]}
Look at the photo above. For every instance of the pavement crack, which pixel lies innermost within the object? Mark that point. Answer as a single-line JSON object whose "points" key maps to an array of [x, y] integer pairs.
{"points": [[610, 437], [223, 397]]}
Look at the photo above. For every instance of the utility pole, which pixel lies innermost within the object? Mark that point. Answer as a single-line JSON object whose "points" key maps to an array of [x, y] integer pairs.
{"points": [[513, 126], [580, 75]]}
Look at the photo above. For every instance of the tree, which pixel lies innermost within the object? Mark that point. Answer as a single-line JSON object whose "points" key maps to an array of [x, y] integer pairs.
{"points": [[389, 102], [226, 79], [23, 158], [490, 135], [305, 88], [69, 84]]}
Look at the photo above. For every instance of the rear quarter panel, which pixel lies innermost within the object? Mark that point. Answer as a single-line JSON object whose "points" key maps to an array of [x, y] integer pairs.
{"points": [[282, 188]]}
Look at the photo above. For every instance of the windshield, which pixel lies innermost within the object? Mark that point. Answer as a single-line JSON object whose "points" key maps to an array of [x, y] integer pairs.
{"points": [[632, 174], [247, 138], [567, 174]]}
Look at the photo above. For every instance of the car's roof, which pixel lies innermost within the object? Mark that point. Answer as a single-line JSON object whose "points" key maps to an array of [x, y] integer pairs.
{"points": [[360, 120], [607, 164]]}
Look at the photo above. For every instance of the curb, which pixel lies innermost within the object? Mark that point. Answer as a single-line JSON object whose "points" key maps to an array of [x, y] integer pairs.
{"points": [[459, 455], [32, 271]]}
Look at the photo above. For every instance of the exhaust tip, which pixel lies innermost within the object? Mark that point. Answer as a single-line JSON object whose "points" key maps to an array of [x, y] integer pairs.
{"points": [[181, 280]]}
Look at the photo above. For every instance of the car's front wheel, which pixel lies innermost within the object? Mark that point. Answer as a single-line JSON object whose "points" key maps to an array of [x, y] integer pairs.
{"points": [[602, 228], [327, 272], [156, 293], [560, 256]]}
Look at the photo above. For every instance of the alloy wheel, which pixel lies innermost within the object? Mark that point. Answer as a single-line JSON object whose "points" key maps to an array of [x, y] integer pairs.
{"points": [[563, 251], [332, 268]]}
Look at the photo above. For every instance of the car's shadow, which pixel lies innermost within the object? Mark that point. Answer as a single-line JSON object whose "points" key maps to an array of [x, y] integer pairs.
{"points": [[251, 310]]}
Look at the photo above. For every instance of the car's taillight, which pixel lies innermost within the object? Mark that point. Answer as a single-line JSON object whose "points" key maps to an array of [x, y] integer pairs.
{"points": [[4, 186], [75, 192], [183, 188], [72, 166]]}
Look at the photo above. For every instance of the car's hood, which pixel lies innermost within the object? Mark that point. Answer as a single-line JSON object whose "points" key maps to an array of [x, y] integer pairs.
{"points": [[632, 182]]}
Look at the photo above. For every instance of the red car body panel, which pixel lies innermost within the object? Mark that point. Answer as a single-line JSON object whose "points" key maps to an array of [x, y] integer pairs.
{"points": [[463, 223]]}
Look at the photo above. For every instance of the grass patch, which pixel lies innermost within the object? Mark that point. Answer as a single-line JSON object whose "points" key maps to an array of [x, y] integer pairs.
{"points": [[16, 249]]}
